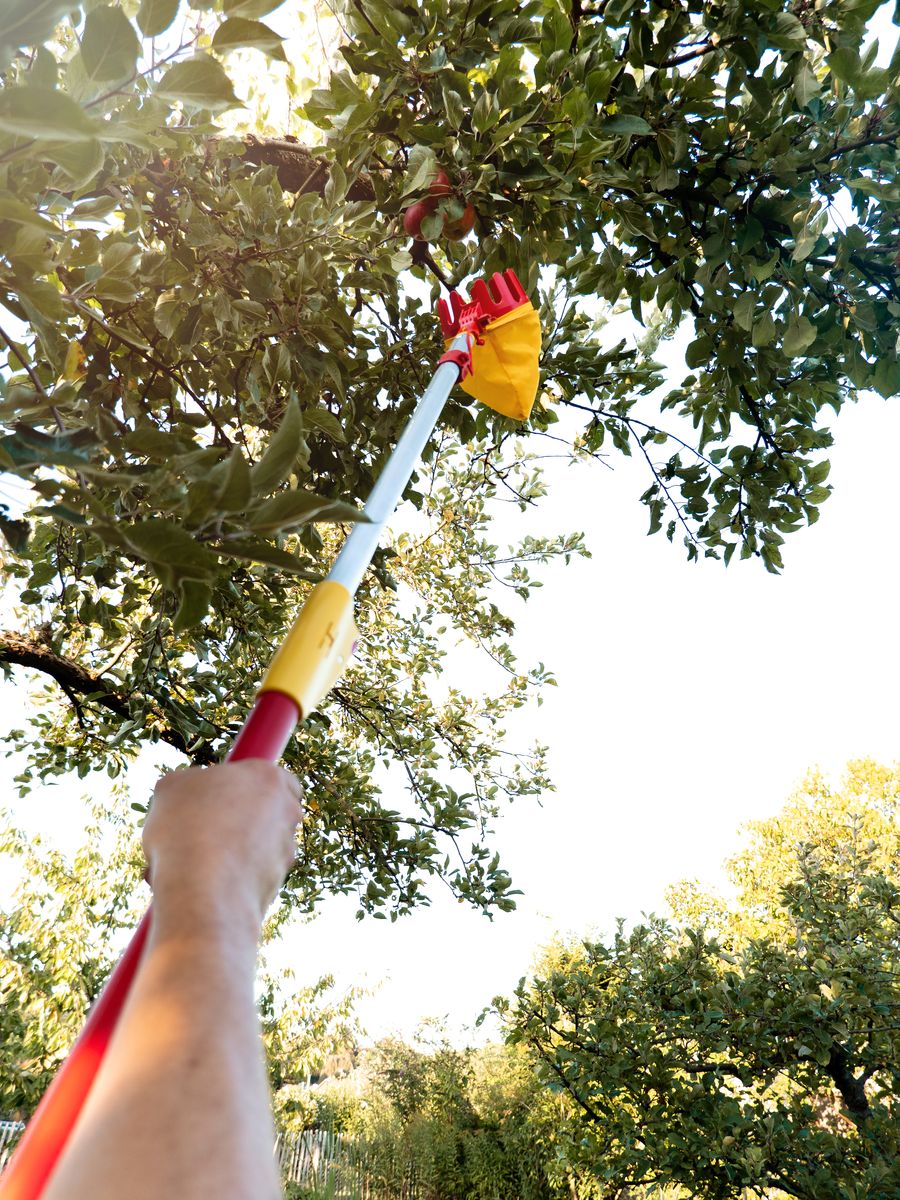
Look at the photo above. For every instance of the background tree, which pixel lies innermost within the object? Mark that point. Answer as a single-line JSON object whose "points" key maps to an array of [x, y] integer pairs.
{"points": [[60, 936], [303, 1027], [58, 941], [212, 345], [446, 1122], [751, 1044]]}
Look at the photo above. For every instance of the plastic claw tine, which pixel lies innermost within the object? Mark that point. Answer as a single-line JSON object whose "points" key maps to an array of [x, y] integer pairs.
{"points": [[489, 298], [449, 315]]}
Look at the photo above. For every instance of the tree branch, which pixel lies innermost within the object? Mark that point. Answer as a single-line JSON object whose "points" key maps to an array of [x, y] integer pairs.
{"points": [[300, 169], [699, 52], [20, 651], [851, 1087]]}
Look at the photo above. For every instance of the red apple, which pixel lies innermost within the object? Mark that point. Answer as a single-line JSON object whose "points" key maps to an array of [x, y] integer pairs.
{"points": [[456, 230], [440, 185], [416, 214]]}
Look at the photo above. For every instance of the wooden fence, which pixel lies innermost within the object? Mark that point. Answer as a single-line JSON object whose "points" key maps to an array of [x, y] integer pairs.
{"points": [[9, 1135], [338, 1168], [330, 1166]]}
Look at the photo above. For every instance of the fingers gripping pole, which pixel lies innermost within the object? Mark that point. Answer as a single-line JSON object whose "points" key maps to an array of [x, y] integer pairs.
{"points": [[304, 669]]}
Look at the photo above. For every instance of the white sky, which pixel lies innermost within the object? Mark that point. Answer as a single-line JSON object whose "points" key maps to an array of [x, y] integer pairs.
{"points": [[690, 700]]}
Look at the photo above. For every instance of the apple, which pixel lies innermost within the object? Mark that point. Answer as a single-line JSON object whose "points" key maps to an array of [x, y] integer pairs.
{"points": [[416, 214], [456, 230], [440, 185]]}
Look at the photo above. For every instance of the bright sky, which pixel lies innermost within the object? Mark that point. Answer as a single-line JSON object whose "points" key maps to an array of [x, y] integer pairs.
{"points": [[691, 699]]}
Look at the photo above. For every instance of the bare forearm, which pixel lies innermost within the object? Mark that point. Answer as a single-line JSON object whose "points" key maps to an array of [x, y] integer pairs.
{"points": [[180, 1107]]}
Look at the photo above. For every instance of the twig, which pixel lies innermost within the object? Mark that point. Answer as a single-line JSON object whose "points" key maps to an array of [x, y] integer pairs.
{"points": [[674, 504], [35, 382], [94, 316]]}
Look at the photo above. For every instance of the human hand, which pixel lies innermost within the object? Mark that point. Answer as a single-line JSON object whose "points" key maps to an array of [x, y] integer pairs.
{"points": [[222, 838]]}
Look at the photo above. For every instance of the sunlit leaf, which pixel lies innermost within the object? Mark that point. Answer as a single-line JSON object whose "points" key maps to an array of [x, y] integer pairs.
{"points": [[200, 82]]}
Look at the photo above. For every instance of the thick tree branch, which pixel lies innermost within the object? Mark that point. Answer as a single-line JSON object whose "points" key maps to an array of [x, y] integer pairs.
{"points": [[851, 1087], [300, 169], [75, 680]]}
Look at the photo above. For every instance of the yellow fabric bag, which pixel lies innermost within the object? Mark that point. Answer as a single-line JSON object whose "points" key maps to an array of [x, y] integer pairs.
{"points": [[505, 368], [506, 350]]}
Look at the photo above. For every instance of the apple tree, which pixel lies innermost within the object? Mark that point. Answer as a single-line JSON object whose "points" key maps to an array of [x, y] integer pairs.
{"points": [[213, 334]]}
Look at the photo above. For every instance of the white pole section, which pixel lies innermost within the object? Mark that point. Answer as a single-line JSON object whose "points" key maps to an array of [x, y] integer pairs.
{"points": [[362, 542]]}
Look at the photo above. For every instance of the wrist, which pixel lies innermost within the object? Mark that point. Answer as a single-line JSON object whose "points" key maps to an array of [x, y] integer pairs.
{"points": [[193, 907]]}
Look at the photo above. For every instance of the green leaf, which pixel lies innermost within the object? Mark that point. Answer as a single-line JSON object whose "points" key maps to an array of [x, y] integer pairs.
{"points": [[256, 550], [762, 271], [288, 509], [195, 601], [128, 336], [80, 161], [804, 246], [238, 31], [872, 83], [155, 16], [15, 533], [38, 112], [281, 454], [764, 330], [697, 353], [199, 83], [579, 110], [44, 70], [168, 313], [819, 472], [485, 113], [806, 86], [623, 123], [235, 490], [420, 171], [454, 107], [159, 541], [14, 210], [788, 33], [798, 337], [28, 23], [250, 8], [844, 64], [432, 227], [743, 310], [109, 45], [31, 447], [321, 418]]}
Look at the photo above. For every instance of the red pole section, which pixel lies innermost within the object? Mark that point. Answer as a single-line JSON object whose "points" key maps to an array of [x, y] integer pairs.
{"points": [[264, 734], [267, 729], [48, 1130]]}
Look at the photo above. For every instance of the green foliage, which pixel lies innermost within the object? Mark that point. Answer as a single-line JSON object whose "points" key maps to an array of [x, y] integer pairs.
{"points": [[689, 159], [461, 1124], [749, 1045], [202, 370], [58, 942], [301, 1028], [205, 370], [61, 935]]}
